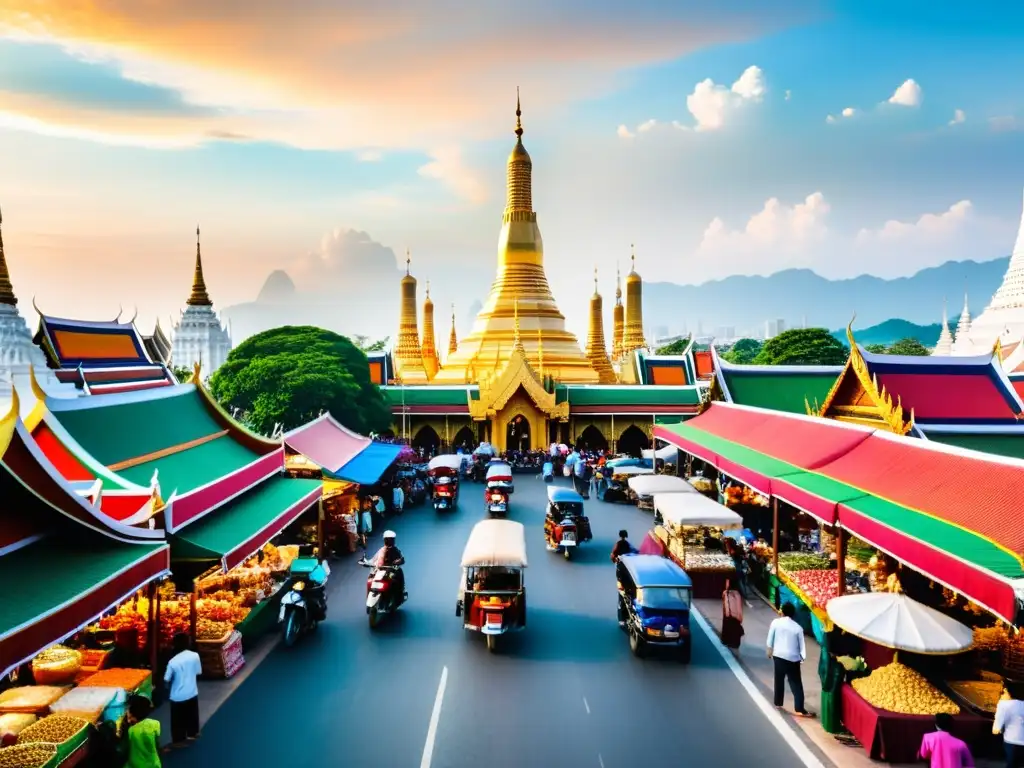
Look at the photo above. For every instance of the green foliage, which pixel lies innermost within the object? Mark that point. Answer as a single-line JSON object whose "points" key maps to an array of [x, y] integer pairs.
{"points": [[743, 352], [364, 343], [289, 375], [182, 374], [803, 346], [878, 349], [676, 347], [909, 346]]}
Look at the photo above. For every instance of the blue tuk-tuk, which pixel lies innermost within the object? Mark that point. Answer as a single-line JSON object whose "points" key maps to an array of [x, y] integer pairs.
{"points": [[565, 525], [655, 596]]}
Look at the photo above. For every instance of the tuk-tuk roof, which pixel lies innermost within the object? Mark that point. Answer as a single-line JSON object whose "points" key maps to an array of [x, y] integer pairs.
{"points": [[559, 495], [496, 543], [648, 485], [447, 460], [500, 469], [655, 571], [632, 470]]}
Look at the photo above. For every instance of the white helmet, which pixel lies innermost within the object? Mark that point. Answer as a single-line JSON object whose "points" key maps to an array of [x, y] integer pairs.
{"points": [[390, 535]]}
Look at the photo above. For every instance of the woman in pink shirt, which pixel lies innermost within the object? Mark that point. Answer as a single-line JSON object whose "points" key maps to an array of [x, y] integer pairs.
{"points": [[942, 749]]}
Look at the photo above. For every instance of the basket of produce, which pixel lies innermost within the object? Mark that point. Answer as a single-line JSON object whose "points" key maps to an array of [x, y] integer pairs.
{"points": [[979, 695], [804, 561], [897, 688], [66, 732], [12, 724], [86, 702], [56, 666], [33, 699], [132, 680], [30, 756]]}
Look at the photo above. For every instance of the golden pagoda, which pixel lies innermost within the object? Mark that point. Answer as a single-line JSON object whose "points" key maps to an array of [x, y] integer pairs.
{"points": [[618, 318], [520, 279], [597, 350], [453, 339], [429, 346], [633, 331], [6, 288], [199, 297], [408, 351]]}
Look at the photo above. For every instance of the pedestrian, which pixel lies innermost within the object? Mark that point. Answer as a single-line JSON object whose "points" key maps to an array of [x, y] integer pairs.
{"points": [[398, 499], [365, 522], [942, 749], [788, 651], [182, 671], [732, 616], [143, 735], [1010, 723]]}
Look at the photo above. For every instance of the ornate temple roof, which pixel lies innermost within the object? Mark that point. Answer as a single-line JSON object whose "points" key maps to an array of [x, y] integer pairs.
{"points": [[158, 346], [776, 387]]}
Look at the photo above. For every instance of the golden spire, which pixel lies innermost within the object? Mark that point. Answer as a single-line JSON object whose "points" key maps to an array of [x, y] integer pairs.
{"points": [[597, 351], [633, 329], [453, 341], [6, 289], [431, 360], [519, 117], [519, 197], [618, 317], [199, 297], [408, 351], [408, 261]]}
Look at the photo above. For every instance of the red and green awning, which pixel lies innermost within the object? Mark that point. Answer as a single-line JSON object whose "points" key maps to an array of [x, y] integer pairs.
{"points": [[55, 586], [945, 513]]}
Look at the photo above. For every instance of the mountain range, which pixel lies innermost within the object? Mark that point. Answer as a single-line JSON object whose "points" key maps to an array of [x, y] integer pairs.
{"points": [[891, 331]]}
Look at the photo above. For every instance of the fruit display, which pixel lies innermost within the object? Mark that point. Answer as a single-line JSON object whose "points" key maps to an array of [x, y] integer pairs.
{"points": [[898, 688], [979, 694], [56, 666], [991, 638], [702, 484], [27, 755], [803, 561], [30, 698], [55, 729], [699, 560], [87, 702], [128, 679], [12, 724], [819, 586], [740, 494]]}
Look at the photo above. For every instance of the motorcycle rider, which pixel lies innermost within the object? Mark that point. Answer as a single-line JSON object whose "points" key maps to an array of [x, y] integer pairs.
{"points": [[622, 546], [391, 555]]}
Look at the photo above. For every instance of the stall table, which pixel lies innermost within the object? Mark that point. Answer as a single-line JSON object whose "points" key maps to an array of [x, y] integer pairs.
{"points": [[896, 738]]}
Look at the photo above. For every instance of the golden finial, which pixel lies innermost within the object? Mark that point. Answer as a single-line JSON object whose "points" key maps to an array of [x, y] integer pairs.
{"points": [[632, 257], [618, 284], [199, 296], [197, 369], [6, 289], [408, 262], [519, 115], [595, 279], [428, 290]]}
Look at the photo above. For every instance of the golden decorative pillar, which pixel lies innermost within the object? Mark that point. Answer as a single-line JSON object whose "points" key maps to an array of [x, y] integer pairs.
{"points": [[633, 332], [453, 341], [597, 351], [521, 278], [429, 346], [408, 353], [199, 297], [6, 288], [618, 318]]}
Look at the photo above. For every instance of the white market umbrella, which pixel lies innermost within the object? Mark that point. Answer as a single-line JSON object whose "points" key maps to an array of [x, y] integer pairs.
{"points": [[648, 485], [695, 510], [895, 621], [632, 471]]}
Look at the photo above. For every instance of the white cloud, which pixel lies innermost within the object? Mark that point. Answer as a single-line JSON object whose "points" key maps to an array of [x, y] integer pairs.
{"points": [[959, 116], [647, 126], [624, 133], [1005, 123], [448, 167], [788, 95], [370, 156], [784, 236], [909, 94], [849, 112], [711, 103]]}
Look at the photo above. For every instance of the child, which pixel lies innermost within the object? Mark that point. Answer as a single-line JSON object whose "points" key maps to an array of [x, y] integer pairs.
{"points": [[143, 735]]}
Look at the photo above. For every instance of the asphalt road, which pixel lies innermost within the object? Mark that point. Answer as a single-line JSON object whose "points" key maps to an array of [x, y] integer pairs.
{"points": [[564, 692]]}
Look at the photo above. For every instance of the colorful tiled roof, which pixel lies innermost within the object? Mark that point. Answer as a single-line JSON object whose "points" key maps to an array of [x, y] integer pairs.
{"points": [[665, 370], [431, 399], [595, 399], [1001, 441], [381, 368], [777, 387], [948, 390], [704, 364], [326, 443]]}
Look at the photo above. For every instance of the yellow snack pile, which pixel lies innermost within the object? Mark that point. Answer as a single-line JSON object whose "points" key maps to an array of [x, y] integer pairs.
{"points": [[897, 688], [55, 729], [27, 755]]}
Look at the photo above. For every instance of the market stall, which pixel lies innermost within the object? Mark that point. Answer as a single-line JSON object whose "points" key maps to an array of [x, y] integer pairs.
{"points": [[645, 486], [618, 480], [689, 520]]}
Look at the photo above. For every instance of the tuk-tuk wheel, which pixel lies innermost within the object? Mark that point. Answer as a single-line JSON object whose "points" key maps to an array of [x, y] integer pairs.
{"points": [[685, 652], [567, 551], [636, 644], [492, 643], [374, 618]]}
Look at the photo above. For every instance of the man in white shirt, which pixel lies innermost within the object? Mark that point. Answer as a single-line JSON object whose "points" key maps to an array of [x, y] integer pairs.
{"points": [[182, 671], [787, 649], [1010, 722]]}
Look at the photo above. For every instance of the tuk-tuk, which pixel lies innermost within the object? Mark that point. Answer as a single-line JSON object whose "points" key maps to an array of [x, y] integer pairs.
{"points": [[499, 474], [654, 604], [496, 499], [445, 493], [565, 525], [618, 485], [491, 597]]}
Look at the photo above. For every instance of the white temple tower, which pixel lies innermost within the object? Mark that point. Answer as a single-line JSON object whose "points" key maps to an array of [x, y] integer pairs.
{"points": [[944, 347], [198, 337]]}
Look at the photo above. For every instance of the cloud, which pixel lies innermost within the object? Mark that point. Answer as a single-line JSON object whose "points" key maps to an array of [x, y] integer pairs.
{"points": [[1005, 123], [783, 236], [710, 103], [370, 156], [624, 133], [846, 113], [340, 74], [347, 260], [909, 94], [959, 116], [447, 166]]}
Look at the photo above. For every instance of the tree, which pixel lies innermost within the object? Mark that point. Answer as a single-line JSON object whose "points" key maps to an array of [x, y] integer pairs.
{"points": [[909, 346], [289, 375], [364, 343], [676, 347], [743, 352], [803, 346], [878, 349], [182, 374]]}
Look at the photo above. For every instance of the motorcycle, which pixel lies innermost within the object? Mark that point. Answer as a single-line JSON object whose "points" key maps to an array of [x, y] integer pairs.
{"points": [[381, 596], [497, 503], [305, 604], [566, 537]]}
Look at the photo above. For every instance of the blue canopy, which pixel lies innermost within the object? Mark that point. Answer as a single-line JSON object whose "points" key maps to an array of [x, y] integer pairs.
{"points": [[369, 465]]}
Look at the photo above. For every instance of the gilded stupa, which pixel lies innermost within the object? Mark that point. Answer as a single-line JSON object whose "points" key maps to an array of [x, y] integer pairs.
{"points": [[633, 331], [520, 280], [597, 350], [431, 361], [409, 351], [618, 319]]}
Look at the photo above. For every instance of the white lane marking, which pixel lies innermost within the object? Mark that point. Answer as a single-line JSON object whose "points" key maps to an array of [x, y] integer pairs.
{"points": [[586, 705], [802, 751], [435, 717]]}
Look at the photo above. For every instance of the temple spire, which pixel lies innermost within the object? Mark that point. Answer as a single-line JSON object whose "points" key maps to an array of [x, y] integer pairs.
{"points": [[408, 264], [6, 289], [597, 350], [453, 340], [199, 297], [519, 118]]}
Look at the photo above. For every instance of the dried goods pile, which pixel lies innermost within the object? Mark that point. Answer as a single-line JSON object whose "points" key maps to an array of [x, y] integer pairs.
{"points": [[991, 638], [30, 698], [27, 755], [55, 729], [128, 679], [980, 694], [12, 724], [87, 702], [741, 494], [56, 665], [898, 688]]}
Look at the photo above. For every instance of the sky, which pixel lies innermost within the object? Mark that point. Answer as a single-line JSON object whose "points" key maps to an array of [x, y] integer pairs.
{"points": [[326, 137]]}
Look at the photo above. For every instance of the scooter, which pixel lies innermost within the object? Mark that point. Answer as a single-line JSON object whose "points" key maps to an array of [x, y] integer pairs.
{"points": [[381, 596], [497, 504], [305, 604], [566, 536]]}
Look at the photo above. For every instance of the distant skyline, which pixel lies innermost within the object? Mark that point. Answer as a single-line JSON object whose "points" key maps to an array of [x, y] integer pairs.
{"points": [[720, 137]]}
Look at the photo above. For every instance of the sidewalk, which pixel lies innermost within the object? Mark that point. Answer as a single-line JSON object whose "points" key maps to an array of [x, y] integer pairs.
{"points": [[841, 750]]}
